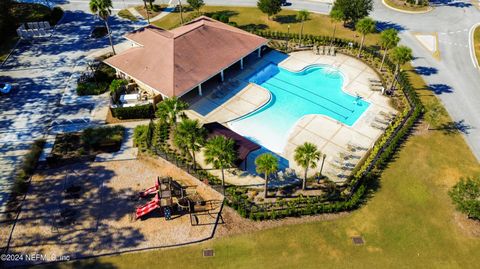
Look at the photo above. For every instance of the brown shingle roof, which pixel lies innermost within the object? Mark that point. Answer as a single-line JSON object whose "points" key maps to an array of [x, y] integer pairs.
{"points": [[173, 62]]}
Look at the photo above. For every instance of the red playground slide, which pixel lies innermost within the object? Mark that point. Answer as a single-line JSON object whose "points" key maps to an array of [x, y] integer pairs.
{"points": [[150, 190], [147, 208]]}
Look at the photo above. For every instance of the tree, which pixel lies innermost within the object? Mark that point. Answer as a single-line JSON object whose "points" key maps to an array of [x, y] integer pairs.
{"points": [[302, 16], [181, 11], [171, 109], [400, 55], [466, 197], [388, 40], [220, 152], [196, 4], [103, 8], [336, 16], [6, 18], [269, 7], [267, 164], [365, 26], [307, 156], [353, 10], [190, 135]]}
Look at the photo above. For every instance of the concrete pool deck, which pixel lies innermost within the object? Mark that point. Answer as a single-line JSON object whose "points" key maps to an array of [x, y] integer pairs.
{"points": [[343, 145]]}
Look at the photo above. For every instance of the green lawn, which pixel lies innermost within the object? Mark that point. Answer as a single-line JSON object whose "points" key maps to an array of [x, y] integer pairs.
{"points": [[476, 42], [251, 17], [124, 13], [407, 223]]}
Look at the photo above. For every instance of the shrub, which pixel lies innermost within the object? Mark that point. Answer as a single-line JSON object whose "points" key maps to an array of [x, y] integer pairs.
{"points": [[466, 197], [117, 84], [140, 136], [56, 15], [134, 112], [91, 88], [98, 137], [27, 167]]}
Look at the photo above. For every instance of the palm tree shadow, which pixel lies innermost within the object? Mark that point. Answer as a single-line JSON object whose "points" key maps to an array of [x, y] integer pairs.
{"points": [[455, 127]]}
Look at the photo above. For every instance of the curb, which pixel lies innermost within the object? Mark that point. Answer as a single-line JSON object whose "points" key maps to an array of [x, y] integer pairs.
{"points": [[406, 11], [473, 54]]}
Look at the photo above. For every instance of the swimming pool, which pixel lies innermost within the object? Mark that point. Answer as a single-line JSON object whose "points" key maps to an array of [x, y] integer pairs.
{"points": [[314, 90]]}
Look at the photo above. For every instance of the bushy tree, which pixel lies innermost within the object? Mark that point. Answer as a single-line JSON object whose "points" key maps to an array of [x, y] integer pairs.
{"points": [[5, 17], [270, 7], [196, 4], [353, 10], [466, 197]]}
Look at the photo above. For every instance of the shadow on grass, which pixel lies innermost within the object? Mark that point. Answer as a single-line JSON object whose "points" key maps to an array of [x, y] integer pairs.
{"points": [[253, 27], [222, 13], [286, 19], [455, 127]]}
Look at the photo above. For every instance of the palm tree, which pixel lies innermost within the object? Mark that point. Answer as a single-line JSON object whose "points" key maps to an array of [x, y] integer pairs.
{"points": [[302, 16], [400, 55], [336, 16], [171, 109], [388, 40], [220, 152], [365, 26], [433, 114], [190, 135], [307, 156], [103, 8], [181, 11], [267, 164]]}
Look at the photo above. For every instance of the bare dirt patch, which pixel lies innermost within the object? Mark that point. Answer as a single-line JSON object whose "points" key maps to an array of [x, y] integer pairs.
{"points": [[468, 226], [96, 215]]}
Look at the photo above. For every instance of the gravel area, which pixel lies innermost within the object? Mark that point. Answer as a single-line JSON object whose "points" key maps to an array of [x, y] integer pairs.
{"points": [[103, 212]]}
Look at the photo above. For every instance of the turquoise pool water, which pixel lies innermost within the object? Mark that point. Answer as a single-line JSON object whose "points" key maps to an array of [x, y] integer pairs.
{"points": [[314, 90]]}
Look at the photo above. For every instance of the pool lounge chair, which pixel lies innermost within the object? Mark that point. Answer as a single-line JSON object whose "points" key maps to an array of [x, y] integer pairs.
{"points": [[46, 25], [30, 25], [332, 51], [377, 126]]}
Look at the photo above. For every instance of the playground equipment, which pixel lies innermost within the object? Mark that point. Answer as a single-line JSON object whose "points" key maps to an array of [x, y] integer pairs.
{"points": [[164, 190]]}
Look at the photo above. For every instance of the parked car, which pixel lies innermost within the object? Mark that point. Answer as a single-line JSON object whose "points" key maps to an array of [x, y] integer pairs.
{"points": [[5, 88]]}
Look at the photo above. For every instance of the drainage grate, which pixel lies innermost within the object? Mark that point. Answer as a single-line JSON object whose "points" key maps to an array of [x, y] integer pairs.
{"points": [[358, 240], [208, 253]]}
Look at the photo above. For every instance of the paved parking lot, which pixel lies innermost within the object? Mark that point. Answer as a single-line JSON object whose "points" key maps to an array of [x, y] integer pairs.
{"points": [[39, 71]]}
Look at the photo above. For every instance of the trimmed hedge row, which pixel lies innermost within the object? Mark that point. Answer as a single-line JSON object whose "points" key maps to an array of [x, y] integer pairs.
{"points": [[134, 112], [27, 168]]}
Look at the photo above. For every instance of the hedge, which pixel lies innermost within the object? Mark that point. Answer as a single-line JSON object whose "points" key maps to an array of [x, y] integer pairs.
{"points": [[27, 167], [134, 112]]}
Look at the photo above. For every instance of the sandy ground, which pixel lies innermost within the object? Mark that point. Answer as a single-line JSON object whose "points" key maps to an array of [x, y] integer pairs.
{"points": [[104, 221]]}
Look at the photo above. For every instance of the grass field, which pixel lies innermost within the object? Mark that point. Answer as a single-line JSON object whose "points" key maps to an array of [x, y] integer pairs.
{"points": [[407, 223], [126, 14], [251, 17], [476, 42]]}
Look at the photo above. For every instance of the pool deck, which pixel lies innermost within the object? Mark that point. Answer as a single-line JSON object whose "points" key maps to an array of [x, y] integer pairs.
{"points": [[343, 145]]}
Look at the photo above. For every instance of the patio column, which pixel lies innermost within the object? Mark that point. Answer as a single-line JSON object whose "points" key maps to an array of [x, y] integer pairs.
{"points": [[222, 76], [241, 63], [200, 89], [259, 51]]}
